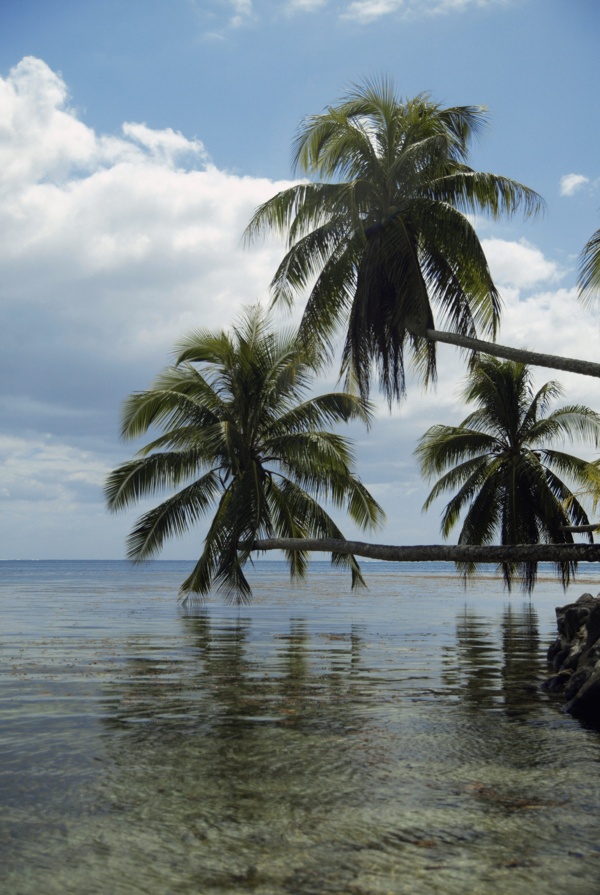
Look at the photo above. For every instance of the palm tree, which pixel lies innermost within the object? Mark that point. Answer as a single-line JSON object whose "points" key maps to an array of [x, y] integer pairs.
{"points": [[589, 269], [507, 478], [238, 434], [384, 234]]}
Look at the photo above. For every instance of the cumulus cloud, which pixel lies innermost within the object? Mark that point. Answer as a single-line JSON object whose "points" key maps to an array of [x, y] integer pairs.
{"points": [[39, 137], [110, 232], [519, 264], [165, 145], [571, 183], [112, 247]]}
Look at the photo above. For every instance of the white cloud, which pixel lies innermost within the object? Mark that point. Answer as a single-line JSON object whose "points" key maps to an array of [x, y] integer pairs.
{"points": [[571, 183], [39, 137], [242, 12], [360, 11], [519, 264], [306, 5], [164, 145], [50, 504], [43, 142], [366, 11], [555, 322], [443, 6], [108, 232], [43, 468], [112, 247]]}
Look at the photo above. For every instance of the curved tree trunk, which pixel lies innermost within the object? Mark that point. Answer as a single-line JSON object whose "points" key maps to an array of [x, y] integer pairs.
{"points": [[521, 355], [593, 526], [439, 552]]}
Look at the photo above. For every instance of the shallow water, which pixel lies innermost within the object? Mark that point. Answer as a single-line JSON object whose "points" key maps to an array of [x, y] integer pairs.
{"points": [[316, 741]]}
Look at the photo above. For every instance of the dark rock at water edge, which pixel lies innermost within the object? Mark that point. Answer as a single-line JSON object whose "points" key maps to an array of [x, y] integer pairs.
{"points": [[575, 658]]}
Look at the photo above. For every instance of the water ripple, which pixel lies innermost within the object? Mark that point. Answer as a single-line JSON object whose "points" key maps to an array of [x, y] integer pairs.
{"points": [[314, 742]]}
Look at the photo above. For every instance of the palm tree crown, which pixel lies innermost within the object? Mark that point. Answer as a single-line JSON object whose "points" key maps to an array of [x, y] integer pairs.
{"points": [[384, 236], [237, 434], [499, 461]]}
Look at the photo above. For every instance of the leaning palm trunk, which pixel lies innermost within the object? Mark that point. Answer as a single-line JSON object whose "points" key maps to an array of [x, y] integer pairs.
{"points": [[594, 526], [563, 556], [461, 553], [521, 355]]}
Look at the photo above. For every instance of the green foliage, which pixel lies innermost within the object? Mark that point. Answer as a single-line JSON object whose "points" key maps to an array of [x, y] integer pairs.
{"points": [[241, 439], [589, 269], [383, 239], [499, 461]]}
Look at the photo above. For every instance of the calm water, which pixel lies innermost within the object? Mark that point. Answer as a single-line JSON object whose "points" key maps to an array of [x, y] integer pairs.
{"points": [[316, 741]]}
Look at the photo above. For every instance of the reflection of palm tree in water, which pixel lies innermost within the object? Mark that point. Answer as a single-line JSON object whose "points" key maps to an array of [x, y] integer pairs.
{"points": [[470, 666], [502, 756], [489, 675], [307, 692], [233, 753], [221, 669], [232, 732], [496, 680], [523, 666], [294, 664]]}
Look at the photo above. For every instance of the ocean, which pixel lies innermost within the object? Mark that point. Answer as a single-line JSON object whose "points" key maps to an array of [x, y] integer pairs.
{"points": [[316, 740]]}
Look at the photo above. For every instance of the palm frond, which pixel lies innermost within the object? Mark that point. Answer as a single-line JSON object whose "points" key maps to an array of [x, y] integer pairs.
{"points": [[467, 476], [202, 346], [456, 270], [324, 410], [207, 441], [589, 270], [322, 251], [442, 446], [474, 192], [172, 517], [540, 402], [178, 398], [219, 563], [316, 522], [574, 420], [576, 470], [481, 521], [146, 476]]}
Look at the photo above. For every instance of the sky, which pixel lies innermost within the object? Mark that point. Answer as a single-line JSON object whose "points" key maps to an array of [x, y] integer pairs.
{"points": [[136, 140]]}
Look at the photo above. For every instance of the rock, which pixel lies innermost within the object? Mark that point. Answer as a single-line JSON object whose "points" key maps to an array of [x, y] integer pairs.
{"points": [[557, 683], [586, 701], [593, 626], [575, 658]]}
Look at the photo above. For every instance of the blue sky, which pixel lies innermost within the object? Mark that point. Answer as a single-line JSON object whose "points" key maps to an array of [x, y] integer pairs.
{"points": [[137, 138]]}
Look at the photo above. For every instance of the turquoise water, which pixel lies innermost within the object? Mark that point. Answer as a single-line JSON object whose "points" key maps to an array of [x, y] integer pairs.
{"points": [[315, 741]]}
